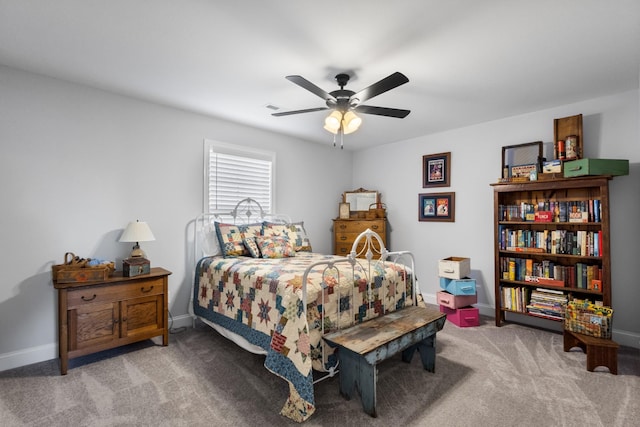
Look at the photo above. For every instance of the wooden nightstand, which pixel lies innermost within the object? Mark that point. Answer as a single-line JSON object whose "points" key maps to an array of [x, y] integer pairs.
{"points": [[120, 310]]}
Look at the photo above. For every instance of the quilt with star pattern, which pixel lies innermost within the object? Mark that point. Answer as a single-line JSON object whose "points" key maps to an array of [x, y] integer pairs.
{"points": [[262, 301]]}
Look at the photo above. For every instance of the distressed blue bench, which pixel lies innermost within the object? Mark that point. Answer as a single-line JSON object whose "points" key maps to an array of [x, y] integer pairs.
{"points": [[363, 346]]}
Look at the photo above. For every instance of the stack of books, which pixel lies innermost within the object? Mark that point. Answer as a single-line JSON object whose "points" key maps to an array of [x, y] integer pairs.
{"points": [[547, 303]]}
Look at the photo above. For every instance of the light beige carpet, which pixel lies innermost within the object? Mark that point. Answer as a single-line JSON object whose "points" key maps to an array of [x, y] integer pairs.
{"points": [[485, 376]]}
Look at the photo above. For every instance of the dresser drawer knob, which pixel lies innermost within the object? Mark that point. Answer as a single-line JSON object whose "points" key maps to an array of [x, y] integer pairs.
{"points": [[147, 291], [343, 238], [85, 299]]}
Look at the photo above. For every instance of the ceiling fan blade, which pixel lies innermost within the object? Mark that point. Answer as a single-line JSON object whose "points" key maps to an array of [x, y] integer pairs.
{"points": [[382, 111], [306, 84], [390, 82], [308, 110]]}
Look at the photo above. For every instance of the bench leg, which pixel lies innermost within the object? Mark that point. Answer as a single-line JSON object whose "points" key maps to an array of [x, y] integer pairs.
{"points": [[427, 350], [602, 356], [357, 374], [570, 341]]}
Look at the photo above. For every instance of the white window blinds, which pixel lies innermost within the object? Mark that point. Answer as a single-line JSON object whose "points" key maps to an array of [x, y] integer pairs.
{"points": [[234, 173]]}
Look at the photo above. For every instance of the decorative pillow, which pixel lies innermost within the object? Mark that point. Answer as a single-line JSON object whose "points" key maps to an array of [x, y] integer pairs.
{"points": [[272, 229], [275, 247], [230, 237], [251, 246], [209, 241], [295, 232], [298, 237]]}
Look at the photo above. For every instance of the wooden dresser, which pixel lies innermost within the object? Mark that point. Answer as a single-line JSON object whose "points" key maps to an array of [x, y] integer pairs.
{"points": [[345, 232], [105, 314]]}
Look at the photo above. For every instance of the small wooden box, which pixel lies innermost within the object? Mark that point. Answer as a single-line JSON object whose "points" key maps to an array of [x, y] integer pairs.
{"points": [[71, 274], [454, 267], [462, 317], [564, 127], [596, 167], [455, 301], [132, 267], [458, 286]]}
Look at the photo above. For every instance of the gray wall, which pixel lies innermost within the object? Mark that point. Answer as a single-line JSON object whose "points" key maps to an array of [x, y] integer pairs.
{"points": [[611, 130], [77, 164]]}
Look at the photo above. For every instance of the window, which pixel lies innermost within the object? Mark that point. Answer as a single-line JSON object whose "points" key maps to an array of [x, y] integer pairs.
{"points": [[232, 173]]}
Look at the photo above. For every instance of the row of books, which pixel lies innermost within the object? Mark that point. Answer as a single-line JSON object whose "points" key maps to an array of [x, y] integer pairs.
{"points": [[564, 211], [540, 302], [567, 242], [579, 275]]}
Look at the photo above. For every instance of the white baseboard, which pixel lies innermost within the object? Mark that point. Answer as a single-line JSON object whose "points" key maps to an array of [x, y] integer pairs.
{"points": [[46, 352], [625, 338], [182, 321], [28, 356]]}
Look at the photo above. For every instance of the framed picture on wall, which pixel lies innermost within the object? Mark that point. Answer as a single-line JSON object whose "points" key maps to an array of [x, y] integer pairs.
{"points": [[436, 207], [436, 170]]}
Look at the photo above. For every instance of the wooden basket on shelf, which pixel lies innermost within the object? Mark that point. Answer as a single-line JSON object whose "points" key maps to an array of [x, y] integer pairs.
{"points": [[377, 210], [75, 269]]}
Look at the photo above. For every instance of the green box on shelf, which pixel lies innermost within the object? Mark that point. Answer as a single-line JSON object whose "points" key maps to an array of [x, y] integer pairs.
{"points": [[583, 167]]}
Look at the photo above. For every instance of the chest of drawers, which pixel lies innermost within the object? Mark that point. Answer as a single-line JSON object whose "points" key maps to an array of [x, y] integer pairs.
{"points": [[345, 232]]}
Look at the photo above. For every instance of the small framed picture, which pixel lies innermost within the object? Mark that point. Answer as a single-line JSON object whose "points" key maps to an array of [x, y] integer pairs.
{"points": [[436, 170], [344, 210], [523, 171], [436, 207]]}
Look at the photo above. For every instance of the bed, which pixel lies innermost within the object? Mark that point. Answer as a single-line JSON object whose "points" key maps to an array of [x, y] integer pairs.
{"points": [[258, 282]]}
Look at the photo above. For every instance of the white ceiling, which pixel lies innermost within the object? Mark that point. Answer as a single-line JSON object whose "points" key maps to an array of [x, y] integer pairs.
{"points": [[468, 61]]}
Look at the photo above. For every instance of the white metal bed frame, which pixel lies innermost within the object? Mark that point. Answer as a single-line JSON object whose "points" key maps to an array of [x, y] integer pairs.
{"points": [[372, 252]]}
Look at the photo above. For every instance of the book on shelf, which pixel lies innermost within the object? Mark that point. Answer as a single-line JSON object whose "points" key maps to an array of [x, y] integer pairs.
{"points": [[587, 210], [520, 249]]}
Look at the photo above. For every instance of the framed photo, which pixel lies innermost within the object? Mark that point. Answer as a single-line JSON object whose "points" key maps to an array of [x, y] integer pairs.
{"points": [[523, 171], [436, 207], [344, 210], [436, 170], [529, 154]]}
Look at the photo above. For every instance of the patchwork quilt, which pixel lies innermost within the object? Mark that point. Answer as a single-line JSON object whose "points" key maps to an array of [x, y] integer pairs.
{"points": [[262, 300]]}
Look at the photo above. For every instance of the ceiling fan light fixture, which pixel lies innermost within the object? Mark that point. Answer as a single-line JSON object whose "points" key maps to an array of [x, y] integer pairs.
{"points": [[350, 122], [332, 122]]}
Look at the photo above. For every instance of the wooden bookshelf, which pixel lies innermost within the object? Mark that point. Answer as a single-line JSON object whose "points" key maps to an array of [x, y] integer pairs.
{"points": [[564, 246]]}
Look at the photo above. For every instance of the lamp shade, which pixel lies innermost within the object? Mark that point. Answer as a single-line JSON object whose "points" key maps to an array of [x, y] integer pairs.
{"points": [[350, 122], [138, 231], [332, 122]]}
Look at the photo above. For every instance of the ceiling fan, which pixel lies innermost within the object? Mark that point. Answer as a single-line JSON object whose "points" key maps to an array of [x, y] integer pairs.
{"points": [[345, 103]]}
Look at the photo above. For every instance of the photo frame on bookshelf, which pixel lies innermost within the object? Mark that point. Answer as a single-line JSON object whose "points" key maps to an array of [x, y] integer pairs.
{"points": [[436, 170], [528, 154], [436, 207]]}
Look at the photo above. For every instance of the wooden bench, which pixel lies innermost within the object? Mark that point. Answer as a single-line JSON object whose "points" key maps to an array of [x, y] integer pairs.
{"points": [[362, 346], [600, 351]]}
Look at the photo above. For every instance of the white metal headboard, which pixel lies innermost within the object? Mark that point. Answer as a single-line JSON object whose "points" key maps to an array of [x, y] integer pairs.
{"points": [[246, 211]]}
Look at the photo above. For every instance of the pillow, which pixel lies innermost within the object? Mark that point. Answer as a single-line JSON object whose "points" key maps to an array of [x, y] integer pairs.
{"points": [[209, 241], [230, 237], [251, 246], [272, 229], [295, 232], [275, 247], [298, 236]]}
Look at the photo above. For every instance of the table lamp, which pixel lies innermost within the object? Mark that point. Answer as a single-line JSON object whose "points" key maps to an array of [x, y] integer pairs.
{"points": [[138, 231]]}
